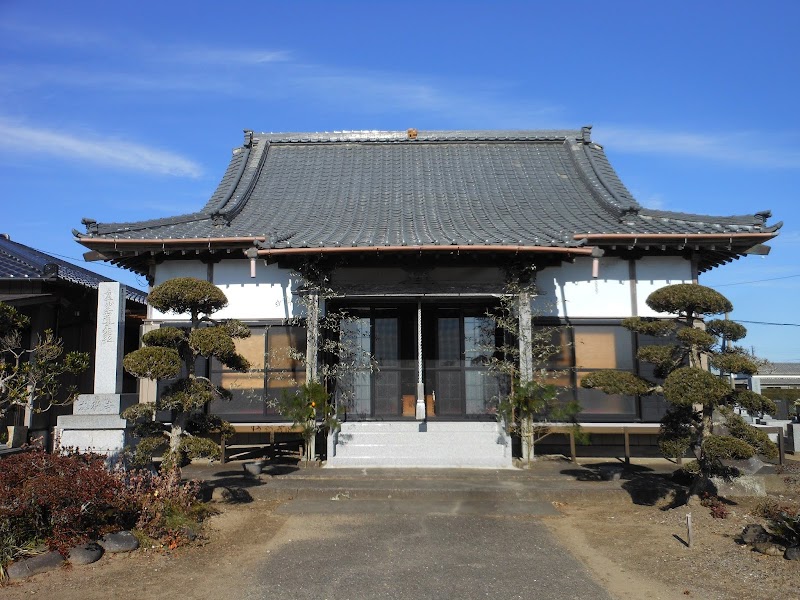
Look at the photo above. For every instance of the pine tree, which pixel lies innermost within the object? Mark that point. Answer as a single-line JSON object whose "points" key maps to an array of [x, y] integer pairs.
{"points": [[171, 352], [700, 416]]}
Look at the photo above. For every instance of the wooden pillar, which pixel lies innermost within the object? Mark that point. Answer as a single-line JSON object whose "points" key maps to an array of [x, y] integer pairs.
{"points": [[627, 446], [572, 453], [525, 338], [312, 356], [312, 337]]}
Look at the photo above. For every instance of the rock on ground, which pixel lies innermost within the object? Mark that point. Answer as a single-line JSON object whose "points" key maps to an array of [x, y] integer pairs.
{"points": [[123, 541], [792, 553], [768, 548], [755, 533], [41, 563], [85, 554]]}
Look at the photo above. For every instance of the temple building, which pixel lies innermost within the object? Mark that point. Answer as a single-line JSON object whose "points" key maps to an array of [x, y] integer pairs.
{"points": [[416, 235]]}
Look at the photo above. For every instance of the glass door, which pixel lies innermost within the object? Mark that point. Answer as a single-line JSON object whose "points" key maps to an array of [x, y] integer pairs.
{"points": [[379, 380], [458, 345]]}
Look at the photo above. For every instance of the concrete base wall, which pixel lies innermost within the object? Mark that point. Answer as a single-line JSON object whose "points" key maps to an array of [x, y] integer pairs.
{"points": [[420, 444]]}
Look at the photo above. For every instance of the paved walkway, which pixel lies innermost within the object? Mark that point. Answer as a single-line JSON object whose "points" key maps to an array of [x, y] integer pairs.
{"points": [[418, 533], [546, 480], [377, 554]]}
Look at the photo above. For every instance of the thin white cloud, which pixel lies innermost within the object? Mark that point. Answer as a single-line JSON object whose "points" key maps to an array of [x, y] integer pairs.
{"points": [[224, 56], [744, 149], [93, 149], [363, 92], [384, 92]]}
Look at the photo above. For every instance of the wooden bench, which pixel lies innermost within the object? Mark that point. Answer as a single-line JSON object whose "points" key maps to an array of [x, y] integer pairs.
{"points": [[638, 428], [606, 428], [270, 428]]}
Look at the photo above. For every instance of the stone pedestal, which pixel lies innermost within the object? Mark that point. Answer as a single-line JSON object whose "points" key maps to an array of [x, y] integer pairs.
{"points": [[95, 424]]}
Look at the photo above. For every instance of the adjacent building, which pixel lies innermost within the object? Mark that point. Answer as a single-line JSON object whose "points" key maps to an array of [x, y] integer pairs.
{"points": [[59, 296]]}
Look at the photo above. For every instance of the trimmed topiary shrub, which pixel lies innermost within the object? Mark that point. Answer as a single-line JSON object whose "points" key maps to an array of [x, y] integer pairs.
{"points": [[616, 382], [730, 330], [187, 295], [753, 403], [689, 299], [689, 385], [725, 447], [173, 351], [686, 382]]}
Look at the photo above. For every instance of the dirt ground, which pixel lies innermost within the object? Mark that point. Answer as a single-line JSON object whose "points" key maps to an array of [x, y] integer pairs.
{"points": [[635, 550]]}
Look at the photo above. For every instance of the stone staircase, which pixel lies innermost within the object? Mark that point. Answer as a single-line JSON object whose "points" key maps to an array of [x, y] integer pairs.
{"points": [[467, 444]]}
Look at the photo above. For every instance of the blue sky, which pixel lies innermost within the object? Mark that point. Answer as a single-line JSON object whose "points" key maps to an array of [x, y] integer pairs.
{"points": [[123, 111]]}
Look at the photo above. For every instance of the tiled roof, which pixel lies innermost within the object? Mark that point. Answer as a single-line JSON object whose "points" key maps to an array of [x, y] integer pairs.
{"points": [[373, 188], [21, 262], [780, 368]]}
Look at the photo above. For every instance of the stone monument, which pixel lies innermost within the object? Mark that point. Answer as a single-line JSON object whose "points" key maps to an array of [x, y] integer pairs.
{"points": [[95, 424]]}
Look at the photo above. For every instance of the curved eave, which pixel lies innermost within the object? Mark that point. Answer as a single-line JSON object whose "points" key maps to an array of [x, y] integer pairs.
{"points": [[427, 248], [612, 238], [156, 243], [710, 250]]}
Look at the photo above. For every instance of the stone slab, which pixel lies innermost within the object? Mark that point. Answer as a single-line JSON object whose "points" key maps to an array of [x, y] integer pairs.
{"points": [[101, 441], [103, 404], [70, 422], [109, 338], [746, 486]]}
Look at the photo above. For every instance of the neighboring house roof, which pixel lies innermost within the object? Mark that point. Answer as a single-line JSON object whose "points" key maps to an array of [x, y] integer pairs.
{"points": [[779, 373], [21, 262], [436, 189], [782, 368]]}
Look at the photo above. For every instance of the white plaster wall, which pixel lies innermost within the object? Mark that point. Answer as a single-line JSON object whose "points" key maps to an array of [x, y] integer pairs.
{"points": [[654, 272], [569, 290], [266, 296]]}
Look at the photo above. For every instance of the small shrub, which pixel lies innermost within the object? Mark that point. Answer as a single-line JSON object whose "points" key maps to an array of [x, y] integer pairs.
{"points": [[716, 506], [58, 500], [787, 527], [166, 507], [772, 508], [63, 500]]}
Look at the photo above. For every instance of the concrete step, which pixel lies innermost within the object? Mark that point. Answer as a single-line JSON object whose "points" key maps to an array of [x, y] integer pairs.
{"points": [[420, 444]]}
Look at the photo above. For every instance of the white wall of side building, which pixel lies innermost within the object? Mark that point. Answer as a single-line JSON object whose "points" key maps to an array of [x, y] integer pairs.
{"points": [[569, 291], [266, 296]]}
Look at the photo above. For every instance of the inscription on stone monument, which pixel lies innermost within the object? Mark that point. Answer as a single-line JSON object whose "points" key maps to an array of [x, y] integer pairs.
{"points": [[109, 338]]}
